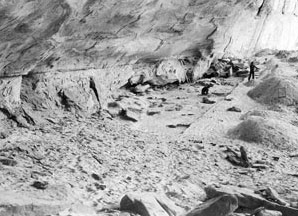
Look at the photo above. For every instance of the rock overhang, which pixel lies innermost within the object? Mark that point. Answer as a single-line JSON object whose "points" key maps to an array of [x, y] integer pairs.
{"points": [[107, 39]]}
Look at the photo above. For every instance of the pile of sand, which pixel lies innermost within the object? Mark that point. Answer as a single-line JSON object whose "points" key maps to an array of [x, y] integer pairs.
{"points": [[276, 90], [270, 132]]}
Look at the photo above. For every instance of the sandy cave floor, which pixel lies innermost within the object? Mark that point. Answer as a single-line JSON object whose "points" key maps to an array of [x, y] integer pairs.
{"points": [[95, 161]]}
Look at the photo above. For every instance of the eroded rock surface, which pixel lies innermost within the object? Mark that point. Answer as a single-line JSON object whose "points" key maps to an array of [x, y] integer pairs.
{"points": [[72, 56], [113, 40]]}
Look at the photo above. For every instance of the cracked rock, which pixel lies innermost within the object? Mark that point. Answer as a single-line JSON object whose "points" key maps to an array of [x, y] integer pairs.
{"points": [[149, 204], [220, 206]]}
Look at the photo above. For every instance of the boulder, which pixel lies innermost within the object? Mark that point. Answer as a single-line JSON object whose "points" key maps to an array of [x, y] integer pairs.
{"points": [[234, 109], [152, 112], [248, 199], [141, 88], [114, 108], [136, 79], [207, 101], [271, 194], [130, 115], [10, 89], [237, 160], [41, 203], [40, 185], [221, 206], [149, 204], [172, 70]]}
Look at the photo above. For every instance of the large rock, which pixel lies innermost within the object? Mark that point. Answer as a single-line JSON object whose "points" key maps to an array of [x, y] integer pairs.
{"points": [[220, 206], [248, 199], [149, 204], [10, 89], [49, 202], [172, 70]]}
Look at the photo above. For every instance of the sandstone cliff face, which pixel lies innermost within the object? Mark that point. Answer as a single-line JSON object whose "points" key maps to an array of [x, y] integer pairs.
{"points": [[91, 47], [272, 25]]}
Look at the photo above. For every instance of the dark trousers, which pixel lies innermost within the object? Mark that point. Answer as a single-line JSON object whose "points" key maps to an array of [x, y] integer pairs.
{"points": [[251, 75]]}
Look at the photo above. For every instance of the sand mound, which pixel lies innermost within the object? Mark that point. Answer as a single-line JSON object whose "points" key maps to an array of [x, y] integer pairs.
{"points": [[276, 90], [270, 132]]}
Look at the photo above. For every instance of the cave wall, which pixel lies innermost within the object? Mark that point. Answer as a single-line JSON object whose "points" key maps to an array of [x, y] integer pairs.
{"points": [[273, 25], [50, 43]]}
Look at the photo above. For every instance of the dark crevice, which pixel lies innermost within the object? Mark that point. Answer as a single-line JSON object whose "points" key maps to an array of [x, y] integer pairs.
{"points": [[28, 118], [160, 45], [6, 113], [214, 30], [166, 208], [261, 8], [230, 41], [64, 99], [93, 87], [131, 23]]}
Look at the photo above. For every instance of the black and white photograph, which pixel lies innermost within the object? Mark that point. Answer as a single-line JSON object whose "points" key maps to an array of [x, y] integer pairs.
{"points": [[148, 107]]}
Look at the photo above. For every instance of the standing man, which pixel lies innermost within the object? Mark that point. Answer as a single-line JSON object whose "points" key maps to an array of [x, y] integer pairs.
{"points": [[252, 68]]}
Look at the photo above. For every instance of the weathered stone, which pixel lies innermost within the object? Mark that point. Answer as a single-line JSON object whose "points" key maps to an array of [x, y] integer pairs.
{"points": [[171, 40], [237, 160], [153, 112], [114, 108], [179, 125], [207, 100], [40, 185], [271, 194], [8, 161], [264, 212], [234, 109], [220, 206], [75, 92], [171, 70], [39, 204], [10, 89], [96, 177], [130, 115], [248, 199], [112, 38], [141, 88], [136, 79], [149, 204]]}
